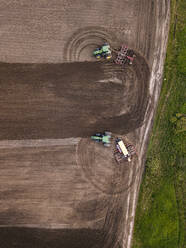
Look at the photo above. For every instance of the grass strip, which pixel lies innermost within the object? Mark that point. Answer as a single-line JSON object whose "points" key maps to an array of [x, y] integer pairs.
{"points": [[160, 214]]}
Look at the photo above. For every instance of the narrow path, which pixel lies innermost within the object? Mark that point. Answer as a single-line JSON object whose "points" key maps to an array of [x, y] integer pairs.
{"points": [[156, 78], [9, 144]]}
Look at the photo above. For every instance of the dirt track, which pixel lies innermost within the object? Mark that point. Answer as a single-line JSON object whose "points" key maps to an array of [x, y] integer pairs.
{"points": [[56, 190]]}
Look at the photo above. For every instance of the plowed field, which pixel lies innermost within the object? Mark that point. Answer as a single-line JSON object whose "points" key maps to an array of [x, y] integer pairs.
{"points": [[57, 187]]}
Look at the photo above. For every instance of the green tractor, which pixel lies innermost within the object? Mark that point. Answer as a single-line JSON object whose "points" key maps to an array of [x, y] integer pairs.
{"points": [[104, 138], [103, 52]]}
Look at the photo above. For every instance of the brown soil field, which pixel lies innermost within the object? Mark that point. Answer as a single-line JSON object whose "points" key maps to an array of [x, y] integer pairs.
{"points": [[43, 101], [57, 187]]}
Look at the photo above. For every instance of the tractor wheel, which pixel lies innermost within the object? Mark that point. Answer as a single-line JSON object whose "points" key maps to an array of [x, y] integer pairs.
{"points": [[108, 133], [106, 144], [108, 57], [98, 135], [98, 56]]}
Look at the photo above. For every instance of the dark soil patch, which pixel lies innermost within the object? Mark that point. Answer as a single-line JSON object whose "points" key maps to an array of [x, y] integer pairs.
{"points": [[68, 100]]}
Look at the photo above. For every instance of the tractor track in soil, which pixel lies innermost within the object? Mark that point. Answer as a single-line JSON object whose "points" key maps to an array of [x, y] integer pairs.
{"points": [[86, 38], [110, 179]]}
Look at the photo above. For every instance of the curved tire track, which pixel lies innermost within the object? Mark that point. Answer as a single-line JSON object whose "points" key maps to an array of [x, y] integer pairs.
{"points": [[85, 38], [104, 173]]}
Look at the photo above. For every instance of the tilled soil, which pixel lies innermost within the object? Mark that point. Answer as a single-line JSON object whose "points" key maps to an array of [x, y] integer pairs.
{"points": [[57, 187], [42, 238], [43, 101]]}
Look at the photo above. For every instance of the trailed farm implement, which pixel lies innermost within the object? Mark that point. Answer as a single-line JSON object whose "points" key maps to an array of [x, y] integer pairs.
{"points": [[124, 151], [122, 56]]}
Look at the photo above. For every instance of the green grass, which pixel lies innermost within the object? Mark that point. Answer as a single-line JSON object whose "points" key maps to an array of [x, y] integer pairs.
{"points": [[156, 233], [160, 214]]}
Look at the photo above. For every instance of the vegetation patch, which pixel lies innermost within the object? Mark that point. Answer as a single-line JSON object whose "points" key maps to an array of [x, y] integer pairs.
{"points": [[161, 207]]}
